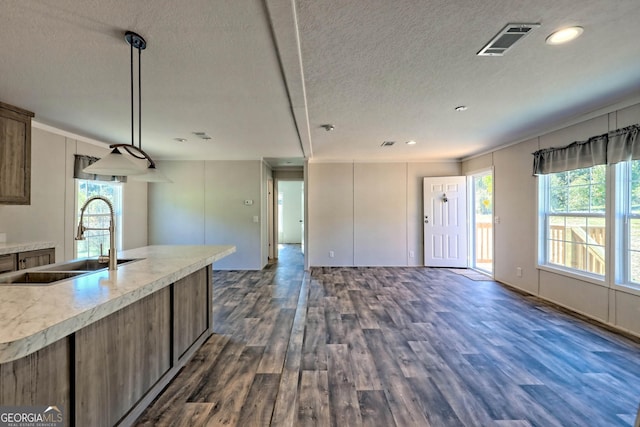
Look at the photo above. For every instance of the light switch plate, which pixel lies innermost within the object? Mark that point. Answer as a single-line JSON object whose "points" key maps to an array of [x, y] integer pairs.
{"points": [[248, 202]]}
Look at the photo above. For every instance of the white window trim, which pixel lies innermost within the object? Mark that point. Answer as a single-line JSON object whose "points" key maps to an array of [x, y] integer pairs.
{"points": [[542, 190], [118, 208], [623, 216]]}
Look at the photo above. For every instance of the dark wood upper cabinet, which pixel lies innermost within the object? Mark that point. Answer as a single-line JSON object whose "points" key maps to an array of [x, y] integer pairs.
{"points": [[15, 155]]}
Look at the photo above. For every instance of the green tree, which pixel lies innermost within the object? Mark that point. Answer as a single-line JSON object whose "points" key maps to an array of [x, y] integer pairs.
{"points": [[483, 187]]}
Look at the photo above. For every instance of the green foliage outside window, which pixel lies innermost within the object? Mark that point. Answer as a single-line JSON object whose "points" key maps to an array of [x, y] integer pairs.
{"points": [[634, 197], [578, 191], [484, 194]]}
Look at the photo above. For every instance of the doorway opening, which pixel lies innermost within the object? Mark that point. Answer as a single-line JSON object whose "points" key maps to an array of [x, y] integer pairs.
{"points": [[482, 221], [290, 219]]}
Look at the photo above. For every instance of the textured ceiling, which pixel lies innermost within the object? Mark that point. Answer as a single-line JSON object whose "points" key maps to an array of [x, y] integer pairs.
{"points": [[261, 77]]}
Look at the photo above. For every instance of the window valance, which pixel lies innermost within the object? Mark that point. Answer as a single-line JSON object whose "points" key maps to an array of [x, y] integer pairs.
{"points": [[616, 146], [81, 161]]}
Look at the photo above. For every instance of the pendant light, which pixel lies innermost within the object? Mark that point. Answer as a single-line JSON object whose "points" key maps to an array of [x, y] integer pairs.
{"points": [[115, 163]]}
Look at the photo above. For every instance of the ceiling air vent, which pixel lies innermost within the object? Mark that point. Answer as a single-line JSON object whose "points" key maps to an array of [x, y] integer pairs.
{"points": [[506, 38], [202, 135], [387, 143]]}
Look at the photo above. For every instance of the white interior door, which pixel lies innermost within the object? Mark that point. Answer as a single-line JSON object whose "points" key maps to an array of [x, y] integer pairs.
{"points": [[445, 221]]}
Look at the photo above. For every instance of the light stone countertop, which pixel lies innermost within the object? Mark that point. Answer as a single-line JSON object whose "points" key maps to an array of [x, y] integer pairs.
{"points": [[32, 317], [12, 248]]}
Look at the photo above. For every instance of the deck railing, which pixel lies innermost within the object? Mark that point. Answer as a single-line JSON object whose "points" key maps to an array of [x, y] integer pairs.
{"points": [[569, 246], [576, 248], [484, 243]]}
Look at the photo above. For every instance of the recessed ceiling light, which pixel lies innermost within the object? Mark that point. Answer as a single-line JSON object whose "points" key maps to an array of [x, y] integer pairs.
{"points": [[461, 108], [180, 139], [412, 142], [328, 127], [387, 143], [564, 35]]}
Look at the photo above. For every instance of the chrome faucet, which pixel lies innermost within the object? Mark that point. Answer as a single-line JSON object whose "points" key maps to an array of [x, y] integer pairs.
{"points": [[113, 263]]}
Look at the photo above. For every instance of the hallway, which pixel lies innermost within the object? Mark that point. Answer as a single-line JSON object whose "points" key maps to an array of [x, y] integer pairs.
{"points": [[395, 346]]}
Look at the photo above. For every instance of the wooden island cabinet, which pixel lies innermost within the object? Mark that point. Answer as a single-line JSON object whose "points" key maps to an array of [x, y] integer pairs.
{"points": [[109, 370], [41, 378]]}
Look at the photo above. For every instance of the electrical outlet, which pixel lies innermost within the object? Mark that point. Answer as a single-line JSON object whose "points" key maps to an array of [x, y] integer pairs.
{"points": [[331, 254], [412, 254], [519, 271], [496, 220]]}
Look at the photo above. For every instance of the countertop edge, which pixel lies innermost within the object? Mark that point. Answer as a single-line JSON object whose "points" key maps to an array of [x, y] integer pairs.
{"points": [[21, 347], [12, 248]]}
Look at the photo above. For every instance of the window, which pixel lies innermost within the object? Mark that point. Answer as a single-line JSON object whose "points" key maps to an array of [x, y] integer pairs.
{"points": [[629, 230], [573, 214], [589, 208], [97, 216]]}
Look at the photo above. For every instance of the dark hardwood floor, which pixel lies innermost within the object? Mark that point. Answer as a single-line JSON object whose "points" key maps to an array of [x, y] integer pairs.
{"points": [[396, 347]]}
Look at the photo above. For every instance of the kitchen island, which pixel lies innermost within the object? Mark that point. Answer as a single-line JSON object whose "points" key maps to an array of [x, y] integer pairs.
{"points": [[102, 345]]}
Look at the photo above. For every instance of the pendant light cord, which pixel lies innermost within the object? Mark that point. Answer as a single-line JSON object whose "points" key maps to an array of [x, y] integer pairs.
{"points": [[139, 99], [137, 42], [132, 124]]}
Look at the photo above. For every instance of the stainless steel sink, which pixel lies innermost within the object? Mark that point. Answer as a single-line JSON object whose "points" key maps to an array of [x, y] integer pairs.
{"points": [[38, 277], [83, 265], [53, 273]]}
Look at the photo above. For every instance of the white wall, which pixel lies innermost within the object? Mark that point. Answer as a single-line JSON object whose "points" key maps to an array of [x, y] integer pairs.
{"points": [[514, 197], [515, 236], [330, 221], [367, 213], [380, 214], [296, 174], [51, 216], [205, 205], [177, 209]]}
